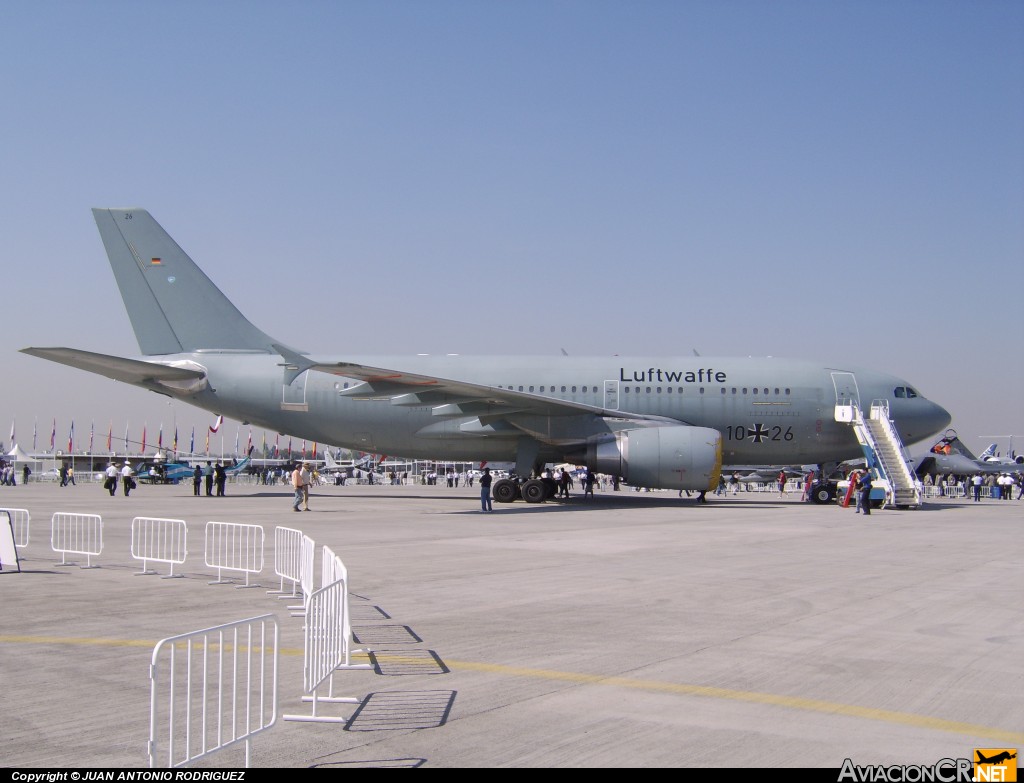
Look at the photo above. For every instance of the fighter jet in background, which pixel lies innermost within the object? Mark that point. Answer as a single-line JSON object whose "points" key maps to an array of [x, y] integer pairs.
{"points": [[950, 455]]}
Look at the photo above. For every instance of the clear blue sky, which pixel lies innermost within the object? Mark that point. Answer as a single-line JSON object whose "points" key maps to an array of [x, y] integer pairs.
{"points": [[837, 181]]}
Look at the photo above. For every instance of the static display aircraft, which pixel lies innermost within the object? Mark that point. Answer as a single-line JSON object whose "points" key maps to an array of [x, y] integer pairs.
{"points": [[658, 422], [333, 467], [950, 455], [991, 454], [159, 471]]}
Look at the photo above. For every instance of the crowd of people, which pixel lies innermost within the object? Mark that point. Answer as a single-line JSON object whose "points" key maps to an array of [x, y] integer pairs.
{"points": [[1000, 486]]}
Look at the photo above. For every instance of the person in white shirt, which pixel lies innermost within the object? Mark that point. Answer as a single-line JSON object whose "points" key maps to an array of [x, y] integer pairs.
{"points": [[111, 482], [126, 478]]}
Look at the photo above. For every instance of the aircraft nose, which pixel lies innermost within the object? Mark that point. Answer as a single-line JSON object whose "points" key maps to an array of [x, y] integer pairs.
{"points": [[934, 419]]}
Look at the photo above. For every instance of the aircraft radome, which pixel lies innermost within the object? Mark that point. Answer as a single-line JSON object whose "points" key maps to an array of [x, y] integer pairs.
{"points": [[659, 422]]}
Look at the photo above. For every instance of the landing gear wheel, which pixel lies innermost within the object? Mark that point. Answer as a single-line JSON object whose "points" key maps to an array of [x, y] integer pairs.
{"points": [[505, 491], [534, 491], [822, 493]]}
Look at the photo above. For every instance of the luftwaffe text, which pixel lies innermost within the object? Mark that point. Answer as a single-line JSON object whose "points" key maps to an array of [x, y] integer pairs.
{"points": [[661, 375]]}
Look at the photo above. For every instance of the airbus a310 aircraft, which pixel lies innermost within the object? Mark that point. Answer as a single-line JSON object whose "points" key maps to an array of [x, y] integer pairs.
{"points": [[659, 422]]}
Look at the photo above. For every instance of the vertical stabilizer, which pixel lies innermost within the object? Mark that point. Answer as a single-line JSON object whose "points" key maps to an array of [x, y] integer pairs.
{"points": [[173, 306]]}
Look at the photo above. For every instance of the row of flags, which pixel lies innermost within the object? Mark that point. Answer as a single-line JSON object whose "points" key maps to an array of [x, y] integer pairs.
{"points": [[275, 452]]}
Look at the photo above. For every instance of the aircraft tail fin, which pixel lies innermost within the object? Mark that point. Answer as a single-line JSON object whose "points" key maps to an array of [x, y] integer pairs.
{"points": [[989, 453], [173, 306], [951, 444]]}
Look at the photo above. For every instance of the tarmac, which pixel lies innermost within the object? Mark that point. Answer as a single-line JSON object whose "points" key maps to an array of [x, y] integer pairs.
{"points": [[628, 630]]}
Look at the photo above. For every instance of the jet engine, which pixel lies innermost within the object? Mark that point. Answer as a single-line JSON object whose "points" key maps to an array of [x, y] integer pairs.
{"points": [[669, 457]]}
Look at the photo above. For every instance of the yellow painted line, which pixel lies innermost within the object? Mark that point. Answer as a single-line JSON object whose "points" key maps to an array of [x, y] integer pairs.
{"points": [[999, 736], [85, 641]]}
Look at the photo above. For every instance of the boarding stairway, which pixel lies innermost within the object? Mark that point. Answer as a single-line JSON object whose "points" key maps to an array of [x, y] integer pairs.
{"points": [[884, 451]]}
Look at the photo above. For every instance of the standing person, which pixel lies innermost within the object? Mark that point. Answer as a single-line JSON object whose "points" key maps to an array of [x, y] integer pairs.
{"points": [[855, 480], [297, 486], [25, 473], [976, 483], [126, 478], [864, 487], [563, 483], [734, 482], [485, 491], [307, 479], [220, 477], [111, 482], [588, 484], [71, 475], [782, 483], [197, 479], [208, 474], [63, 473]]}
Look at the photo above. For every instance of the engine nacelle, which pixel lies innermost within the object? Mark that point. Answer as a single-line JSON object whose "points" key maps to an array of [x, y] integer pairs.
{"points": [[661, 457]]}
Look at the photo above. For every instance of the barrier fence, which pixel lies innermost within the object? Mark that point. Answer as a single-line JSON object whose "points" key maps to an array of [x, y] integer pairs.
{"points": [[287, 560], [76, 534], [231, 546], [306, 575], [160, 541], [332, 569], [20, 522], [323, 650], [220, 686]]}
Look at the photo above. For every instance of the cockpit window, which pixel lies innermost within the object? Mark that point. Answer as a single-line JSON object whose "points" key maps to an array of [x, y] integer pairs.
{"points": [[900, 392], [911, 393]]}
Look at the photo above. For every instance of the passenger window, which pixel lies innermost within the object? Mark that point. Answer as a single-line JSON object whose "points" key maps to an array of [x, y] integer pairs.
{"points": [[776, 392], [573, 389], [755, 390], [625, 389]]}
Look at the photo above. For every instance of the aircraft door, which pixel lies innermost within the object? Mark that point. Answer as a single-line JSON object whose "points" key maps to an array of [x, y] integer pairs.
{"points": [[611, 395], [293, 395], [847, 394]]}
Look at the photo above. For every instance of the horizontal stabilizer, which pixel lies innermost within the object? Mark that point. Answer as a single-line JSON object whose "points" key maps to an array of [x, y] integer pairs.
{"points": [[119, 369]]}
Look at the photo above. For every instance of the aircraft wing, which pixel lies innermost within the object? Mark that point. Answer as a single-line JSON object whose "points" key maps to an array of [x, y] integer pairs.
{"points": [[119, 369], [451, 397]]}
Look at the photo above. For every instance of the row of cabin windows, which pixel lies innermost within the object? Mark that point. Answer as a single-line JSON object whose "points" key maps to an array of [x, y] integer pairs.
{"points": [[648, 389]]}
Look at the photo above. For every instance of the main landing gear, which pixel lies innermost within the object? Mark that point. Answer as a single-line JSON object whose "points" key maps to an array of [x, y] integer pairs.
{"points": [[532, 490]]}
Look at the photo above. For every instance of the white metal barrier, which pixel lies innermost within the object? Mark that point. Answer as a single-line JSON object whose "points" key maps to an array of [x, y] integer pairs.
{"points": [[232, 546], [287, 560], [306, 575], [324, 649], [332, 569], [20, 521], [160, 541], [220, 684], [76, 534]]}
